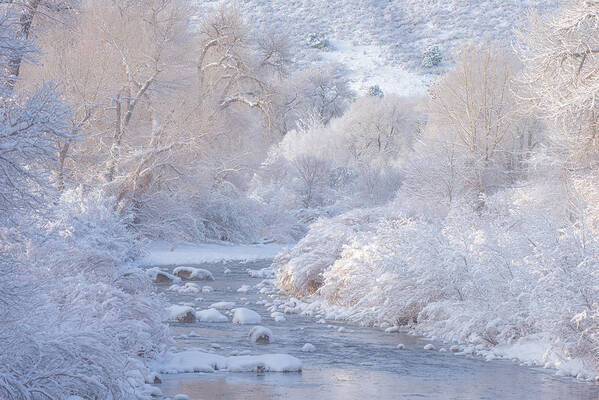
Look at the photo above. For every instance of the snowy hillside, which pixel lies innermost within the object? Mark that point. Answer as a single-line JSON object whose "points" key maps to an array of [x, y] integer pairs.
{"points": [[380, 40]]}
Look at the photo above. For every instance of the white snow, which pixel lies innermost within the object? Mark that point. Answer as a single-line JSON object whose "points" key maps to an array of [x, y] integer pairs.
{"points": [[223, 305], [200, 361], [210, 315], [159, 276], [243, 289], [181, 313], [429, 346], [308, 348], [188, 288], [193, 274], [246, 316], [261, 335], [262, 273], [278, 316], [162, 253], [207, 289]]}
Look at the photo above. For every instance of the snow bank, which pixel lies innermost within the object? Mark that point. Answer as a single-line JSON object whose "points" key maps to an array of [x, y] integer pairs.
{"points": [[161, 253], [246, 316], [484, 280], [211, 315], [301, 267], [193, 274], [200, 361]]}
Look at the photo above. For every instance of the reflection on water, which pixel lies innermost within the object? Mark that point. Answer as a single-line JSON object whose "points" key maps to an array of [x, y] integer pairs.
{"points": [[359, 363]]}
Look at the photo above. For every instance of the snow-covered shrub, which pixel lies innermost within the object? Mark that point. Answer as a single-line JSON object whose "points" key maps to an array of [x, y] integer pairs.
{"points": [[319, 93], [481, 277], [375, 91], [301, 267], [354, 161], [477, 139], [432, 57], [318, 40]]}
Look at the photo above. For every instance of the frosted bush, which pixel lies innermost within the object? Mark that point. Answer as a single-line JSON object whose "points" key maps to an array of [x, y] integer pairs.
{"points": [[432, 57], [301, 267], [480, 277], [375, 91], [318, 40]]}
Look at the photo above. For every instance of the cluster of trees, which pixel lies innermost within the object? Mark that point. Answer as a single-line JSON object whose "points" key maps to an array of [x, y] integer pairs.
{"points": [[492, 233], [132, 119], [121, 121]]}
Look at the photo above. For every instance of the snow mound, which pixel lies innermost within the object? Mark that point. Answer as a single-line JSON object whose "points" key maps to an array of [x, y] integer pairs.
{"points": [[211, 315], [200, 361], [430, 346], [260, 335], [223, 305], [278, 316], [264, 363], [193, 274], [261, 273], [246, 316], [308, 348], [188, 288], [243, 289], [181, 313], [159, 276]]}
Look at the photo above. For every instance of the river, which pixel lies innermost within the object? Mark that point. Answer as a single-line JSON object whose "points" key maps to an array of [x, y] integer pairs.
{"points": [[355, 363]]}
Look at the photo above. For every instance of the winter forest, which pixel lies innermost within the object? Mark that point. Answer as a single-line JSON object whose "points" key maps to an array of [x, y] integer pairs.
{"points": [[419, 168]]}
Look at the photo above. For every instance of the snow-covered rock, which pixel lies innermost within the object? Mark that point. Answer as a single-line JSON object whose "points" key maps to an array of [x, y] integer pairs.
{"points": [[159, 276], [264, 363], [260, 335], [401, 346], [261, 273], [278, 316], [207, 289], [223, 305], [392, 329], [308, 348], [211, 315], [200, 361], [246, 316], [188, 288], [193, 274], [430, 346], [243, 289], [181, 313]]}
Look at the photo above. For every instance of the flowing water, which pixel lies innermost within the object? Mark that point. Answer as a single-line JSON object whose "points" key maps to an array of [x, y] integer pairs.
{"points": [[356, 363]]}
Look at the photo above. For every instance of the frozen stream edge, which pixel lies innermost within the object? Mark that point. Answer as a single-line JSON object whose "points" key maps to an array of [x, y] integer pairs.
{"points": [[348, 362]]}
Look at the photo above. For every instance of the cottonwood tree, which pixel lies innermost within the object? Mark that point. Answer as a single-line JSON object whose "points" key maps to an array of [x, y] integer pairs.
{"points": [[123, 55], [474, 116], [560, 83], [560, 54]]}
